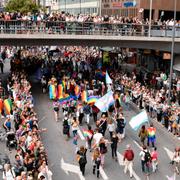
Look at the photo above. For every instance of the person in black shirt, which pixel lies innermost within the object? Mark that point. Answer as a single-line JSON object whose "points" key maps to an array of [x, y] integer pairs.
{"points": [[114, 142]]}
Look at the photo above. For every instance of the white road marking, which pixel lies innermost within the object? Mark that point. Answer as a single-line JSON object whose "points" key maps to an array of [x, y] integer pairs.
{"points": [[169, 153], [81, 135], [42, 119], [71, 168], [138, 145], [103, 174], [121, 163]]}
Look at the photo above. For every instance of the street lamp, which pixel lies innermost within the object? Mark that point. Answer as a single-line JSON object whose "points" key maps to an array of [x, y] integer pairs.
{"points": [[80, 6], [150, 16], [172, 54]]}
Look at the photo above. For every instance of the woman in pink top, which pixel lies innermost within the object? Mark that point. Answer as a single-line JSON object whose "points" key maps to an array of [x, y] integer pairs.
{"points": [[154, 157]]}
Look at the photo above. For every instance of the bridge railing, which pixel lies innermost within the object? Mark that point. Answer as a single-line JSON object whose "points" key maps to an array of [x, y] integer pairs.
{"points": [[85, 28]]}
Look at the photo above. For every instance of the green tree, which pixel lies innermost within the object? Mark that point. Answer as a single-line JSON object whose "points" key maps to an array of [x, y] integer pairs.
{"points": [[22, 6]]}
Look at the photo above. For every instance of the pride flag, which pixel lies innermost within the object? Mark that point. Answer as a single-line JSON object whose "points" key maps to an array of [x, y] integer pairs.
{"points": [[138, 120], [151, 132], [1, 106], [84, 96], [52, 92], [86, 133], [64, 85], [8, 106], [105, 102], [65, 98], [77, 90], [108, 79], [60, 91], [92, 99]]}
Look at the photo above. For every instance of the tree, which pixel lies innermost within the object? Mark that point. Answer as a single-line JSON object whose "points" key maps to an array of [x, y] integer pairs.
{"points": [[22, 6]]}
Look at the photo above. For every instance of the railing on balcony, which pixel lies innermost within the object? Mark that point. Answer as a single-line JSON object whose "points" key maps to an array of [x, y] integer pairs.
{"points": [[85, 28]]}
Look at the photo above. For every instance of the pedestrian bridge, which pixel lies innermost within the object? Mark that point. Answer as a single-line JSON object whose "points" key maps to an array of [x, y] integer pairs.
{"points": [[157, 43]]}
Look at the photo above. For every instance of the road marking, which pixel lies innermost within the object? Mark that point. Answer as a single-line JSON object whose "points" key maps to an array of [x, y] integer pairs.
{"points": [[173, 177], [81, 135], [42, 119], [103, 174], [138, 145], [121, 163], [71, 168], [169, 153]]}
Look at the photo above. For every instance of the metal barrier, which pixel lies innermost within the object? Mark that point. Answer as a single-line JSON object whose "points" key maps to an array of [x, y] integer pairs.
{"points": [[85, 28]]}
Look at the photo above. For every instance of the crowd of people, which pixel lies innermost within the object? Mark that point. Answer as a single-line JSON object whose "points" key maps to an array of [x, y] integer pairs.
{"points": [[67, 23], [82, 66], [23, 132]]}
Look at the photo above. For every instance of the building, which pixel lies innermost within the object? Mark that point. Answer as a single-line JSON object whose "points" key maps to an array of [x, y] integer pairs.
{"points": [[50, 5], [80, 6], [132, 8]]}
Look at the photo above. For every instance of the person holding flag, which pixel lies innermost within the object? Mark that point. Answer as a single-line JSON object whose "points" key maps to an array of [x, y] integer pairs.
{"points": [[151, 135]]}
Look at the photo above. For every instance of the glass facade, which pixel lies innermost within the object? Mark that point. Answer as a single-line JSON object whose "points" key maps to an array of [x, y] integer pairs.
{"points": [[80, 6]]}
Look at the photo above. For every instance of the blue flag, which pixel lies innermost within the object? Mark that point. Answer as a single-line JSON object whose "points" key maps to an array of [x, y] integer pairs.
{"points": [[138, 120], [108, 79]]}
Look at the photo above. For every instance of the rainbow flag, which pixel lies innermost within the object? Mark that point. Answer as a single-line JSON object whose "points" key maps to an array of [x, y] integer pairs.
{"points": [[77, 90], [52, 92], [86, 133], [151, 132], [100, 74], [8, 106], [64, 85], [60, 91], [1, 106], [84, 96], [92, 99], [65, 98]]}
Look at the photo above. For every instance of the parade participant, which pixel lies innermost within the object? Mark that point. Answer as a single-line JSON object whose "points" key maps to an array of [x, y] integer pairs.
{"points": [[145, 160], [128, 160], [143, 134], [43, 84], [66, 127], [7, 124], [8, 173], [151, 135], [120, 126], [56, 107], [111, 127], [102, 124], [114, 142], [81, 157], [74, 126], [103, 150], [96, 158], [89, 137], [87, 112], [154, 157], [96, 138]]}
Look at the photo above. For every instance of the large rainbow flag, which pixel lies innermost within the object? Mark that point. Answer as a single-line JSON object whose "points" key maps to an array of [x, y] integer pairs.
{"points": [[77, 90], [1, 106], [87, 133], [92, 99], [8, 106], [52, 92], [84, 96], [60, 91], [151, 133]]}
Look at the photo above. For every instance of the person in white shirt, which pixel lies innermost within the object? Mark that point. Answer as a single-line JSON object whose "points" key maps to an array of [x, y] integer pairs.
{"points": [[8, 173], [111, 127], [96, 138]]}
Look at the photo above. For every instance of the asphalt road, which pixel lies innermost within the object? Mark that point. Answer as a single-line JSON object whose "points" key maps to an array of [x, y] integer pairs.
{"points": [[58, 148]]}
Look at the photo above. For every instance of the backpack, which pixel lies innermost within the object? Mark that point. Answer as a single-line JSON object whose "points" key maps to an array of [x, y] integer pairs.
{"points": [[147, 156]]}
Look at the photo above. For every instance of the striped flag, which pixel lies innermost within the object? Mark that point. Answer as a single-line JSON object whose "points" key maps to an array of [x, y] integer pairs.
{"points": [[1, 105], [84, 96], [52, 92], [138, 120], [105, 102], [60, 91], [92, 99], [108, 79], [8, 106]]}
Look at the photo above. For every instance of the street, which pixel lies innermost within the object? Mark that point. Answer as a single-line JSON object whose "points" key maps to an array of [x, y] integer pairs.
{"points": [[61, 153]]}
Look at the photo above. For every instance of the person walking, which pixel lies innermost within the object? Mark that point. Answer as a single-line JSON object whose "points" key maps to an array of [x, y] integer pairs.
{"points": [[128, 160], [151, 135], [111, 127], [120, 126], [114, 142], [103, 150], [87, 112], [2, 66], [66, 127], [56, 109], [154, 158], [96, 158], [82, 160], [75, 126], [145, 160], [143, 134]]}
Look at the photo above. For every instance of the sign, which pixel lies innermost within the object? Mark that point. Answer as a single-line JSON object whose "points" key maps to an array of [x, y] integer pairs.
{"points": [[116, 4], [130, 4]]}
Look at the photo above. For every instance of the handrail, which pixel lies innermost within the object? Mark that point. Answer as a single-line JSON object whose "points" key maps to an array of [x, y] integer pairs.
{"points": [[85, 28]]}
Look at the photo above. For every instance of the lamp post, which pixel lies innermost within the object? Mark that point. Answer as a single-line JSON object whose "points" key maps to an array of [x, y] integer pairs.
{"points": [[150, 16], [172, 54], [65, 5], [80, 6]]}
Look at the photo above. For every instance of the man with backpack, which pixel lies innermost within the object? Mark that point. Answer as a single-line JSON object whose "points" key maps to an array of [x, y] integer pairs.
{"points": [[145, 160], [128, 160]]}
